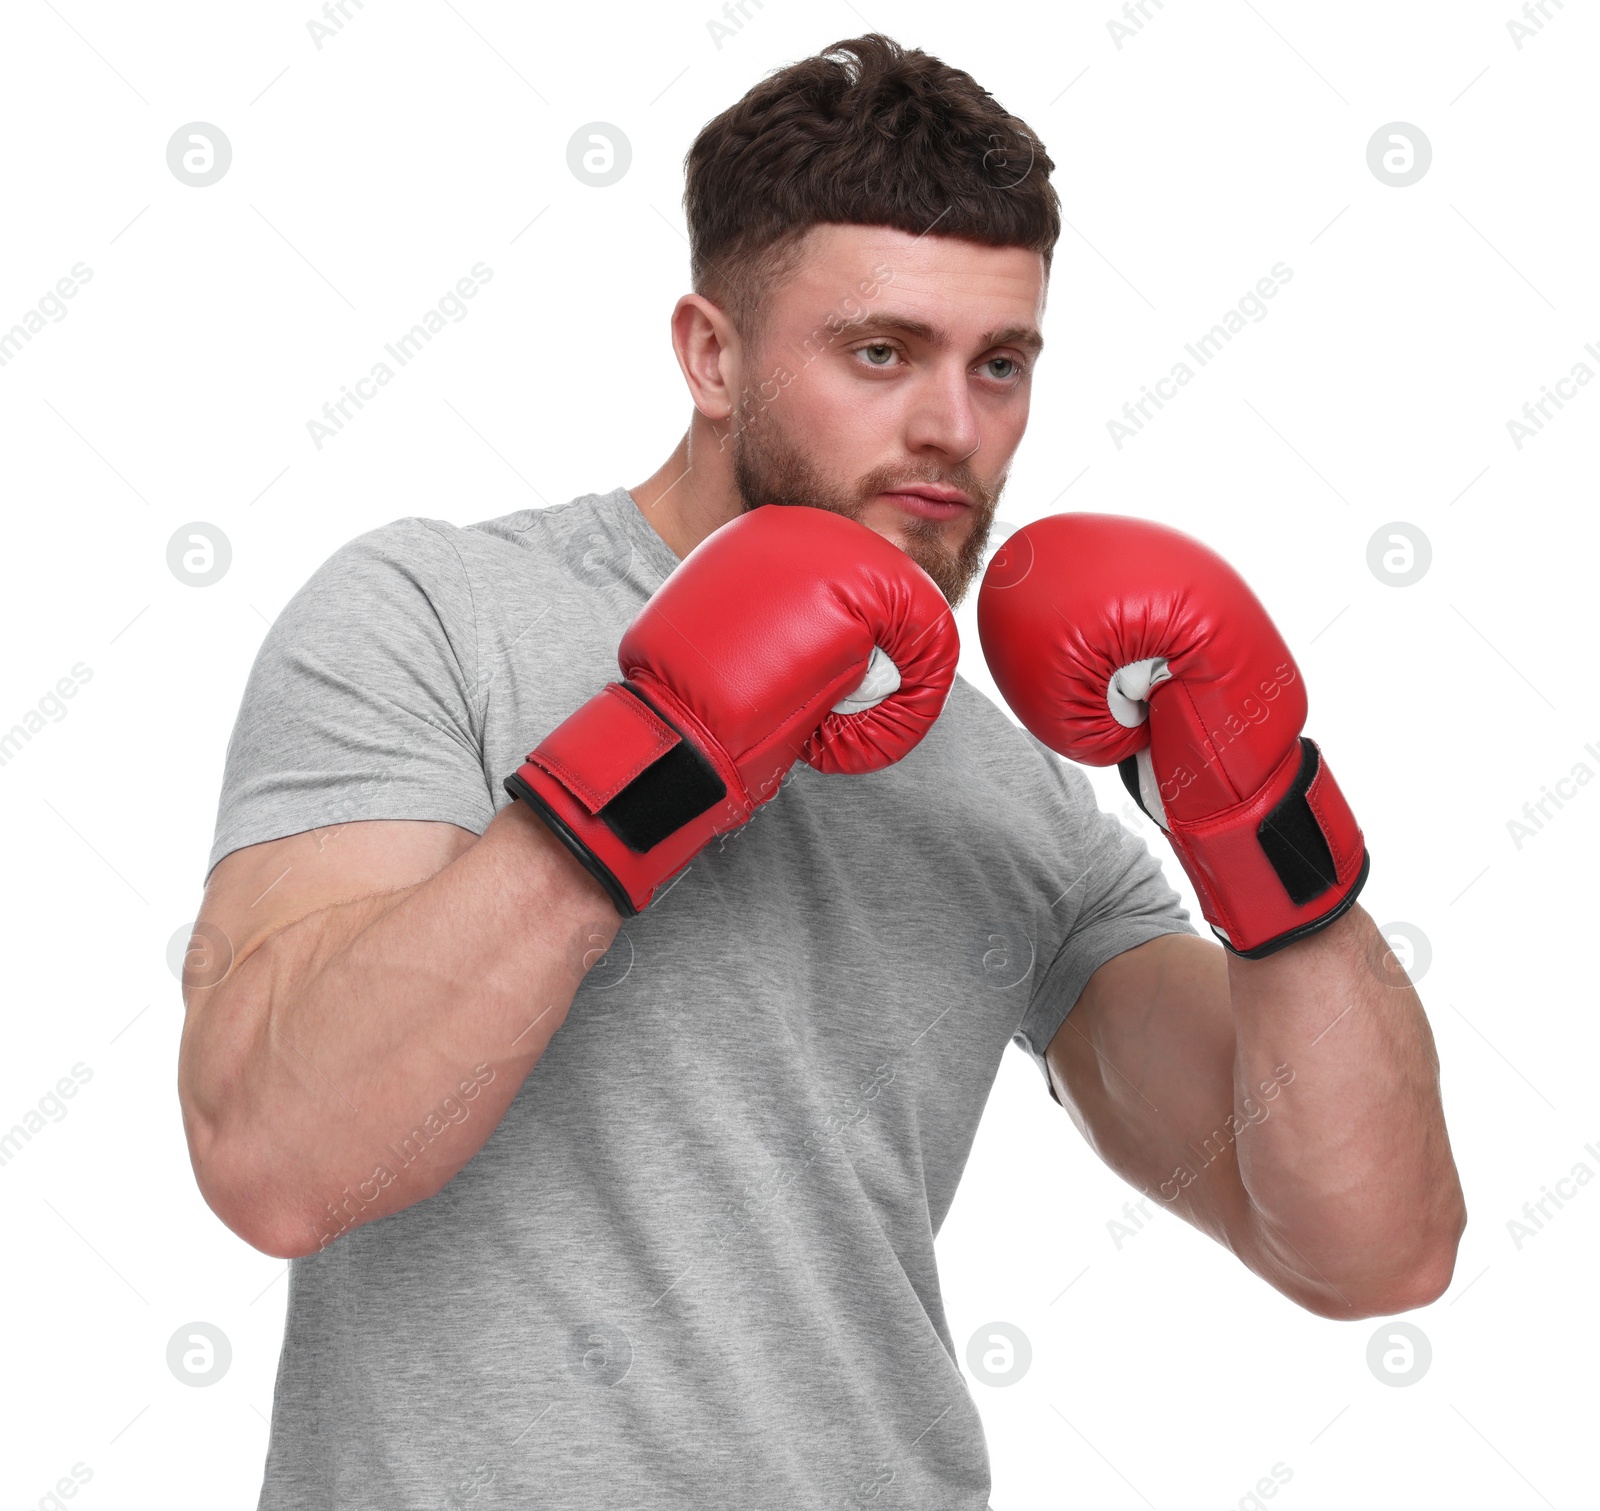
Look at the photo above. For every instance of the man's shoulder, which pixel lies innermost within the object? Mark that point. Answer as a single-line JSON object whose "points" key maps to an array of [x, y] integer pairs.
{"points": [[612, 511], [435, 551]]}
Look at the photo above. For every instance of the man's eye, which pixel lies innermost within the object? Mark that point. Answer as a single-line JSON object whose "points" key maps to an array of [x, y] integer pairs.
{"points": [[878, 346], [1016, 367]]}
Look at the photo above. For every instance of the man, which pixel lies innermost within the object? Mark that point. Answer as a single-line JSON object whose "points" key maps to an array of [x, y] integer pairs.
{"points": [[594, 1215]]}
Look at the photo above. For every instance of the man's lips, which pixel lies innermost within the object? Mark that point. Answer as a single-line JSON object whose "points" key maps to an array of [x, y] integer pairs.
{"points": [[930, 503]]}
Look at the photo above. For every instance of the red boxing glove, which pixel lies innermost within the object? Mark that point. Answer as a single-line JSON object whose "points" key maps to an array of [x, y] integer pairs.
{"points": [[1118, 640], [788, 633]]}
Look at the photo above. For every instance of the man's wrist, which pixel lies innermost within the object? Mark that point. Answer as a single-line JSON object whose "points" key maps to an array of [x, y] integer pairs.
{"points": [[544, 869]]}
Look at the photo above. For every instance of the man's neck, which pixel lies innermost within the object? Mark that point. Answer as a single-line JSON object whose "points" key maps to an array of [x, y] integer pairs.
{"points": [[691, 493]]}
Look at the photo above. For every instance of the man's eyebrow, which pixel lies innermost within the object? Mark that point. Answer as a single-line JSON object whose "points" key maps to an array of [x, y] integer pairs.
{"points": [[1024, 336]]}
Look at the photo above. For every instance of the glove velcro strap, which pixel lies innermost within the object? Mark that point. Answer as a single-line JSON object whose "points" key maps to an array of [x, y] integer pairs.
{"points": [[1292, 835], [1283, 864], [629, 767]]}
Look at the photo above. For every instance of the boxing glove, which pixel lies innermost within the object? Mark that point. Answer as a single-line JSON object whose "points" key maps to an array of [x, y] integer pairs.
{"points": [[1121, 641], [788, 633]]}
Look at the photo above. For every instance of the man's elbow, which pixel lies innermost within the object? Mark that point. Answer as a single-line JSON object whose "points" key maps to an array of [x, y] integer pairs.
{"points": [[249, 1208], [1429, 1278], [1420, 1282], [234, 1176], [1419, 1287], [257, 1223], [280, 1240]]}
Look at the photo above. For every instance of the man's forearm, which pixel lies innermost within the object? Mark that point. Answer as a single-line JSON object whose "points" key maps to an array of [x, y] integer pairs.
{"points": [[1349, 1173], [360, 1057]]}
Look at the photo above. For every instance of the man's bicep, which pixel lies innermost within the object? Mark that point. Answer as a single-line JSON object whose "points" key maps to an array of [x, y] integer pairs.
{"points": [[258, 890], [1144, 1066]]}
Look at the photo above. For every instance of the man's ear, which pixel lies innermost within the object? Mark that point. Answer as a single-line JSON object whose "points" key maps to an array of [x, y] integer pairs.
{"points": [[709, 355]]}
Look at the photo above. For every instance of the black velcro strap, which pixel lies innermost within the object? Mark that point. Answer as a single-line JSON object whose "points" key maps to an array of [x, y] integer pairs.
{"points": [[666, 795], [1292, 838]]}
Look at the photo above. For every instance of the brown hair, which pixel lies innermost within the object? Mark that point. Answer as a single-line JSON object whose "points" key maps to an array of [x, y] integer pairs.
{"points": [[864, 133]]}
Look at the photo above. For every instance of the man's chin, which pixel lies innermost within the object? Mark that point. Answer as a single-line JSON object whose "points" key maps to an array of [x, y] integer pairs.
{"points": [[952, 568]]}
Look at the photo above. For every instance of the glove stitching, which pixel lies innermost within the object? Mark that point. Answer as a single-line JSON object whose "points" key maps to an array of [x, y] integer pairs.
{"points": [[1320, 801], [594, 797], [1216, 758]]}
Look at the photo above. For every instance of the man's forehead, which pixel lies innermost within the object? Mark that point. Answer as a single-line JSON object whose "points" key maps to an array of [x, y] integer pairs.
{"points": [[946, 279]]}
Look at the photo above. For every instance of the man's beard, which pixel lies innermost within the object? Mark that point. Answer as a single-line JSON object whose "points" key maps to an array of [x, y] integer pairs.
{"points": [[769, 469]]}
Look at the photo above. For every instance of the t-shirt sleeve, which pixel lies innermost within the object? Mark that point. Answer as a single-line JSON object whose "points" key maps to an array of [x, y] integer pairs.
{"points": [[1125, 900], [363, 699]]}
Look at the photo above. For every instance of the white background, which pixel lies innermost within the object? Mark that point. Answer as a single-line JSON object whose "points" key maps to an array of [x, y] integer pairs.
{"points": [[371, 173]]}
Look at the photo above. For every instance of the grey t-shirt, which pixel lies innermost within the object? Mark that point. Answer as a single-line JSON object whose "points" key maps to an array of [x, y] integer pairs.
{"points": [[693, 1266]]}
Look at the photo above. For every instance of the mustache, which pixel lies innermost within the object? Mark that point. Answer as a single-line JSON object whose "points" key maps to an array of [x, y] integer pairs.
{"points": [[887, 480]]}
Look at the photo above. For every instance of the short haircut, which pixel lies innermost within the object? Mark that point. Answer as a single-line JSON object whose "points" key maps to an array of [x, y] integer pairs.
{"points": [[863, 133]]}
